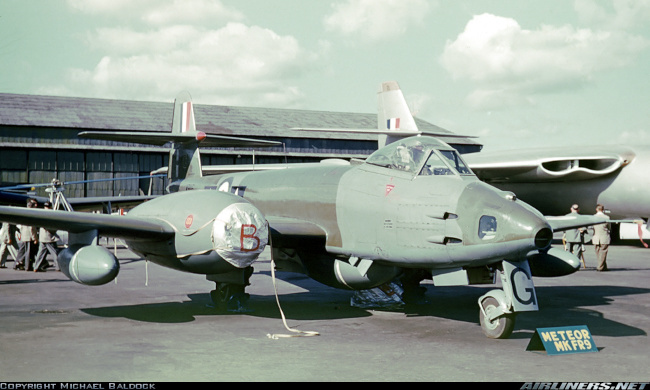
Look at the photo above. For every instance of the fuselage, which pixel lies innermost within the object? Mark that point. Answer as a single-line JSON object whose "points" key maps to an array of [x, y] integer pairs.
{"points": [[395, 214]]}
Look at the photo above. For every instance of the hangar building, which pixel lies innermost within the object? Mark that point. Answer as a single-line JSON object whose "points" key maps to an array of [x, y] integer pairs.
{"points": [[38, 140]]}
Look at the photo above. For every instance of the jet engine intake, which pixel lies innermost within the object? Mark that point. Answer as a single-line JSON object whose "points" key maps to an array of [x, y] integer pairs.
{"points": [[90, 265]]}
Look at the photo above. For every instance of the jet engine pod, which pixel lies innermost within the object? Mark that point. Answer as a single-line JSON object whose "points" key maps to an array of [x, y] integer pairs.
{"points": [[352, 274], [214, 231], [91, 265], [553, 262]]}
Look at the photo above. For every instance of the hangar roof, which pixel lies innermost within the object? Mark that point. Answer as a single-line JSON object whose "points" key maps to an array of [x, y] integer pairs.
{"points": [[106, 114]]}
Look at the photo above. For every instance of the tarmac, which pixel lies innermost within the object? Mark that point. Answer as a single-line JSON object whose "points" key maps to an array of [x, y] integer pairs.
{"points": [[155, 324]]}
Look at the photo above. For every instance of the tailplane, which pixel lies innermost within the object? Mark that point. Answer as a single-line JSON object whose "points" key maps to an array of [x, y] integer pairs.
{"points": [[394, 119], [184, 157]]}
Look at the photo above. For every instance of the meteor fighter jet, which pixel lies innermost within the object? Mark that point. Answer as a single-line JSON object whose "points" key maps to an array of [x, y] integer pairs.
{"points": [[413, 205]]}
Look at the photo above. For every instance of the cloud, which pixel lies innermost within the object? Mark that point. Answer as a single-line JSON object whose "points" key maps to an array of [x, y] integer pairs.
{"points": [[623, 14], [160, 12], [376, 19], [509, 64], [232, 64], [191, 11]]}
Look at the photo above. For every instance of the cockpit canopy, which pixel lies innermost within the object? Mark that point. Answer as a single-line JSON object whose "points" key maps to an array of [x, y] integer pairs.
{"points": [[422, 156]]}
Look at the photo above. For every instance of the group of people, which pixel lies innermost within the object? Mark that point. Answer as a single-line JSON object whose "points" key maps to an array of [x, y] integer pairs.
{"points": [[600, 238], [28, 245]]}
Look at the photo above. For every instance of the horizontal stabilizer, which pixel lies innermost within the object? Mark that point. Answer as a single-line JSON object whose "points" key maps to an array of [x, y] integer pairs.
{"points": [[159, 138], [404, 133]]}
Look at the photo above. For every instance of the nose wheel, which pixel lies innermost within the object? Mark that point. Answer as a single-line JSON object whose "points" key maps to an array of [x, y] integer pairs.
{"points": [[495, 323]]}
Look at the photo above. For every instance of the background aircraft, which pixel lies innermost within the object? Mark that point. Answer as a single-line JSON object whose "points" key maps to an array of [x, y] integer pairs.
{"points": [[413, 206], [552, 179]]}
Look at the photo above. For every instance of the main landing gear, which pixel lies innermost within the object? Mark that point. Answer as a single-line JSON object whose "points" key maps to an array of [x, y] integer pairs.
{"points": [[229, 294]]}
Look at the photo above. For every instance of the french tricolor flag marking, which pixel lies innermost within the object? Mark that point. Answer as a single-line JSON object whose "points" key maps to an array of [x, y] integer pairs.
{"points": [[186, 116], [392, 124]]}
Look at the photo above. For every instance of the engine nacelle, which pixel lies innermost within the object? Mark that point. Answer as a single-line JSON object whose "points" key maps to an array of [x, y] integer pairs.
{"points": [[353, 274], [553, 262], [215, 231], [91, 265]]}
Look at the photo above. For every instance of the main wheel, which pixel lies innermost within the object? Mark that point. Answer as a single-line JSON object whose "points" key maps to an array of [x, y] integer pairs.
{"points": [[499, 328], [230, 298]]}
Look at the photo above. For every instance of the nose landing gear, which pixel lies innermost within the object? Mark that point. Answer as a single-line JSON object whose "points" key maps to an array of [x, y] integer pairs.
{"points": [[498, 307], [496, 322]]}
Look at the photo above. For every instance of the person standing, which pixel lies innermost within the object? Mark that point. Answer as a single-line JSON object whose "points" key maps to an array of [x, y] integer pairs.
{"points": [[7, 237], [27, 243], [46, 243], [574, 237], [601, 239]]}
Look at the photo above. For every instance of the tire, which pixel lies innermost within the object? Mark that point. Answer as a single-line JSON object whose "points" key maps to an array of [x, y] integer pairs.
{"points": [[500, 328], [220, 297]]}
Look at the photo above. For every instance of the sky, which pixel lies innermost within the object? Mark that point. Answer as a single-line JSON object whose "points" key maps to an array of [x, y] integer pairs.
{"points": [[514, 73]]}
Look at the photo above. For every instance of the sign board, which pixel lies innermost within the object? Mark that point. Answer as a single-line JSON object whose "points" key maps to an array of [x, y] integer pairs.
{"points": [[563, 340]]}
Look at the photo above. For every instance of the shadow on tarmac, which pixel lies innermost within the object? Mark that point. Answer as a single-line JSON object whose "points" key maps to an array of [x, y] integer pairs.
{"points": [[558, 306], [295, 306]]}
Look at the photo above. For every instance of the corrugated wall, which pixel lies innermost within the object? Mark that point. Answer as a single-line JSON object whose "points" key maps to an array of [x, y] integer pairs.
{"points": [[97, 170]]}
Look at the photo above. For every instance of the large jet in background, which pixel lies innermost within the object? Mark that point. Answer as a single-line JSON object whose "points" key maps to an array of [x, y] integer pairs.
{"points": [[552, 179], [413, 205]]}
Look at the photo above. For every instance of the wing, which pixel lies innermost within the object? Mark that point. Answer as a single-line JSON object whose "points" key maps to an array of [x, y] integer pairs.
{"points": [[291, 233], [116, 226], [79, 204], [568, 222], [543, 165]]}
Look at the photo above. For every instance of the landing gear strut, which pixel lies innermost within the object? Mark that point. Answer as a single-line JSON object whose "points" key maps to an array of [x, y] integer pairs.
{"points": [[500, 327], [499, 307], [229, 294]]}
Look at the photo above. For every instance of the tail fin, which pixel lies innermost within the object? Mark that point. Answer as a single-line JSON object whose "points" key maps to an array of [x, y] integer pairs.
{"points": [[183, 118], [394, 119], [184, 158]]}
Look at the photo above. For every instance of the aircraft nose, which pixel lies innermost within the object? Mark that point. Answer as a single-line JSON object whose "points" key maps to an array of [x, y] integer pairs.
{"points": [[495, 216]]}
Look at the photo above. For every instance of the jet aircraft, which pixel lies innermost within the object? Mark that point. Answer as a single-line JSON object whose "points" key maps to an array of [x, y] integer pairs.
{"points": [[413, 205], [552, 179]]}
